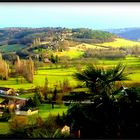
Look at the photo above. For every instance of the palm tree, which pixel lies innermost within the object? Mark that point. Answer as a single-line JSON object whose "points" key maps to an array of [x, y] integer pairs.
{"points": [[100, 80]]}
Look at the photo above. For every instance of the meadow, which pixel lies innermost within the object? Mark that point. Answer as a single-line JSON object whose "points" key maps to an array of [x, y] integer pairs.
{"points": [[120, 42], [56, 75], [11, 48]]}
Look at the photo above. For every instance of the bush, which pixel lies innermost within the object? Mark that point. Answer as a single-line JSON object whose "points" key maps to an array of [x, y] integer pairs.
{"points": [[5, 115]]}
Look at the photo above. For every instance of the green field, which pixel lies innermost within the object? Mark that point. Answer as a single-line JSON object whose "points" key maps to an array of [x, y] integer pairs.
{"points": [[55, 75], [46, 109], [72, 53], [119, 42], [11, 48], [4, 127]]}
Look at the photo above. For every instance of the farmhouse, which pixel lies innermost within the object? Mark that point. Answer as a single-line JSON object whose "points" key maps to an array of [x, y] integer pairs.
{"points": [[11, 102], [8, 91], [26, 112]]}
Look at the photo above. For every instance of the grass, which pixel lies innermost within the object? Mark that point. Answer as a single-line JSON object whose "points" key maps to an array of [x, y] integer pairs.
{"points": [[11, 48], [85, 45], [54, 76], [26, 95], [72, 54], [119, 42], [57, 75], [4, 128], [46, 109]]}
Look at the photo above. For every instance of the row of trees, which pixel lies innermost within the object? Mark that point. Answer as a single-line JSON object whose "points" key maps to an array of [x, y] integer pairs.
{"points": [[104, 53], [25, 68]]}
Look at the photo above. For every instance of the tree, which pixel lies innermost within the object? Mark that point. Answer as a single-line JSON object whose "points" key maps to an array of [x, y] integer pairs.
{"points": [[54, 97], [4, 69], [45, 89], [30, 66], [100, 80], [36, 99], [28, 69], [105, 117], [18, 66]]}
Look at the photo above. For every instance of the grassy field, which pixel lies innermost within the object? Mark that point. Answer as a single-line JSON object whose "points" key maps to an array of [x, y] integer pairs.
{"points": [[11, 48], [4, 127], [119, 42], [72, 53], [55, 75], [46, 109]]}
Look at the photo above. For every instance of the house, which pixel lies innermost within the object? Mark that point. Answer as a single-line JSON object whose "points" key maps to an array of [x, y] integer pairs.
{"points": [[46, 60], [8, 91], [65, 130], [26, 112], [12, 102]]}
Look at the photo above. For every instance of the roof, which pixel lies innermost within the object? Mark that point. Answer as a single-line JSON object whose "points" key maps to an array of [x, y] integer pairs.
{"points": [[5, 88], [46, 60], [12, 97], [5, 101]]}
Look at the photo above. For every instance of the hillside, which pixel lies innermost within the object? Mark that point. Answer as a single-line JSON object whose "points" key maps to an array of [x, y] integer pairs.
{"points": [[73, 43], [26, 36], [35, 41]]}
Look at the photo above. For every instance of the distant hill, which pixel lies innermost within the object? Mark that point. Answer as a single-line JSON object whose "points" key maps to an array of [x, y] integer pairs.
{"points": [[49, 37], [127, 33]]}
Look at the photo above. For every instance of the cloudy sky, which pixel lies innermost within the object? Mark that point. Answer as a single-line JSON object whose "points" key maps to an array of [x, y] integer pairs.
{"points": [[71, 15]]}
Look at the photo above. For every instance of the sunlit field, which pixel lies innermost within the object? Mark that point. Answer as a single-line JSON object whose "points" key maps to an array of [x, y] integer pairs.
{"points": [[119, 42], [56, 75], [72, 53]]}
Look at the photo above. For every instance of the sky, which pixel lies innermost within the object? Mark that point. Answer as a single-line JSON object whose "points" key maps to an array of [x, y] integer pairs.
{"points": [[70, 15]]}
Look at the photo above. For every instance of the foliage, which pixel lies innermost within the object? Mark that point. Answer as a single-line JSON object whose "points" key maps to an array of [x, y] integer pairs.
{"points": [[100, 80], [37, 99], [41, 129], [4, 69], [95, 35], [107, 117], [104, 116], [25, 68], [18, 123], [5, 115]]}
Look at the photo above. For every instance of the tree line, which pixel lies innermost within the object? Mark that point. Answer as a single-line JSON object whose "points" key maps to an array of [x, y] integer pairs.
{"points": [[24, 68]]}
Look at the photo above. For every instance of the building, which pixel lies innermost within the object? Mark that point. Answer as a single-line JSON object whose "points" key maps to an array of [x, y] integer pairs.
{"points": [[8, 91]]}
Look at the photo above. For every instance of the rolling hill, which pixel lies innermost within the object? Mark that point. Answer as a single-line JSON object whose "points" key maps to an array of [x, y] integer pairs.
{"points": [[63, 41]]}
